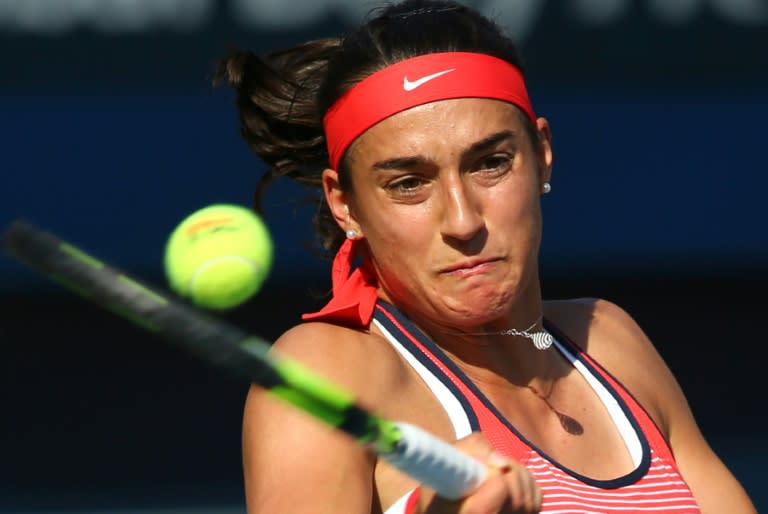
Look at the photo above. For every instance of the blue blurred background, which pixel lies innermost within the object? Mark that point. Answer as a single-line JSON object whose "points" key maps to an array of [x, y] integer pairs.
{"points": [[111, 132]]}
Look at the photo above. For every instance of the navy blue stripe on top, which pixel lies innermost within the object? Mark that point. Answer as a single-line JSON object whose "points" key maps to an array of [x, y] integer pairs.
{"points": [[384, 314]]}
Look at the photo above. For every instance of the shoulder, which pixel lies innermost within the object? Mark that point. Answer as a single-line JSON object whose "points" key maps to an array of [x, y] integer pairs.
{"points": [[598, 326], [613, 338], [284, 449], [344, 356], [587, 312]]}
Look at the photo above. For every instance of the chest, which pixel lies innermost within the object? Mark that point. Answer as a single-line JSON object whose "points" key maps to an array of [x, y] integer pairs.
{"points": [[573, 427]]}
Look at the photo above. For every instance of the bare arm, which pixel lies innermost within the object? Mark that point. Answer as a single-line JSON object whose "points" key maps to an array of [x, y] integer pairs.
{"points": [[293, 463], [713, 485]]}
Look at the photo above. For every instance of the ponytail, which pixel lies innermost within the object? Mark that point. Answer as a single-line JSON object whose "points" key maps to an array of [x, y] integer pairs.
{"points": [[276, 98]]}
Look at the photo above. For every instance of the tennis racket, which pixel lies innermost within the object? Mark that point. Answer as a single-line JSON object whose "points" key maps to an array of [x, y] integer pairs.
{"points": [[431, 461]]}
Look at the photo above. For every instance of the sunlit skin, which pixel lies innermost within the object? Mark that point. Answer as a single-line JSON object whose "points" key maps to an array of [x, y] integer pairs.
{"points": [[447, 197]]}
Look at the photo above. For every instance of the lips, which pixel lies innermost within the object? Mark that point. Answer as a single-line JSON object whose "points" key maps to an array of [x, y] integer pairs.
{"points": [[470, 265]]}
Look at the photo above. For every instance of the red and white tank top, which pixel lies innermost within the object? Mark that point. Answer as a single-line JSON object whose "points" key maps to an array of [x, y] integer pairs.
{"points": [[653, 486]]}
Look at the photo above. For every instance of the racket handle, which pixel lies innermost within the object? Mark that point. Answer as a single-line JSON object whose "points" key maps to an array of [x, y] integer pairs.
{"points": [[435, 463]]}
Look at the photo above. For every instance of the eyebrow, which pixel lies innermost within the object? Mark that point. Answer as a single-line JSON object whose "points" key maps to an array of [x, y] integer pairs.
{"points": [[490, 141], [415, 161]]}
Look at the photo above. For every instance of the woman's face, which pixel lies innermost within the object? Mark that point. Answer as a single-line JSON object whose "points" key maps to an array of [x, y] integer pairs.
{"points": [[446, 196]]}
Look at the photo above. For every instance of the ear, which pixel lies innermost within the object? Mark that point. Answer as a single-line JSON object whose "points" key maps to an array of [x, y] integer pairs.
{"points": [[545, 150], [338, 201]]}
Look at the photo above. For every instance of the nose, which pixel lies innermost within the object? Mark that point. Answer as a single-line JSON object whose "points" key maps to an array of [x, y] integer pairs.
{"points": [[461, 211]]}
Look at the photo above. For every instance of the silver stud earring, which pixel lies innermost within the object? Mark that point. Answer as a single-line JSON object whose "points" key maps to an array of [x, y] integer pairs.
{"points": [[546, 187], [351, 234]]}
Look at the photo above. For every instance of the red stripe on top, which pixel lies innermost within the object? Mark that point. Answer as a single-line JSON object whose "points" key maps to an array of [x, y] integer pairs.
{"points": [[649, 427], [413, 501]]}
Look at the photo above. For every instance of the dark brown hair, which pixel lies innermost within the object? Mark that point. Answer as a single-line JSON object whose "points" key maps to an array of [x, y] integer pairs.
{"points": [[282, 96]]}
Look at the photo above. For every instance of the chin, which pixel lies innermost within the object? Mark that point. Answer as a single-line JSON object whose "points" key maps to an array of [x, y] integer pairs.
{"points": [[472, 310]]}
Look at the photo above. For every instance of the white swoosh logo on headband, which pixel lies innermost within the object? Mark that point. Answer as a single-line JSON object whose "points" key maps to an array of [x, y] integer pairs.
{"points": [[410, 86]]}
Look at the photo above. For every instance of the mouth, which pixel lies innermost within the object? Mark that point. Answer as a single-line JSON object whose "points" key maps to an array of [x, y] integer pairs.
{"points": [[470, 266]]}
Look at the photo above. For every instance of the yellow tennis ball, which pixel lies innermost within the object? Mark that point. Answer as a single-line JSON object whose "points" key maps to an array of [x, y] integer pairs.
{"points": [[219, 256]]}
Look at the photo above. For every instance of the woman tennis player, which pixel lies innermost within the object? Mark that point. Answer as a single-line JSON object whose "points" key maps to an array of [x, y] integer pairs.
{"points": [[419, 132]]}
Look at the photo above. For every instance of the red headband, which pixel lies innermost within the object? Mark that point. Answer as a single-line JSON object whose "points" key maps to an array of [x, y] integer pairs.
{"points": [[417, 81]]}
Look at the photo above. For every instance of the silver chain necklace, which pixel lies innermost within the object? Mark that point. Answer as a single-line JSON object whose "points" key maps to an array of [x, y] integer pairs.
{"points": [[541, 338]]}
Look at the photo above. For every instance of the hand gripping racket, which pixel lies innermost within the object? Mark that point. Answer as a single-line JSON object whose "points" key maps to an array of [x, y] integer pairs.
{"points": [[431, 461]]}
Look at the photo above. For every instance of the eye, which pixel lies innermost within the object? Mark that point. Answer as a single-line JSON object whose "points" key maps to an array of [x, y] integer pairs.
{"points": [[406, 186], [497, 163]]}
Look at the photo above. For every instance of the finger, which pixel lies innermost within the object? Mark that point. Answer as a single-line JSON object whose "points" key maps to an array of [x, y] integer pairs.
{"points": [[491, 497], [524, 494], [527, 492], [509, 487]]}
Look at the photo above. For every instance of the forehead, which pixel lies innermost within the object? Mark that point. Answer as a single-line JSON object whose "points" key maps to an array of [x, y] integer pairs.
{"points": [[452, 123]]}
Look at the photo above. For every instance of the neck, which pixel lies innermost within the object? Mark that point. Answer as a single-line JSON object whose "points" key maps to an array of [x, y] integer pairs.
{"points": [[496, 352], [509, 359], [491, 347], [540, 338]]}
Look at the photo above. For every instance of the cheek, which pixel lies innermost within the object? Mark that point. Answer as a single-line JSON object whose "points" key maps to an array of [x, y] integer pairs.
{"points": [[387, 224], [402, 246], [397, 271], [516, 224], [517, 204]]}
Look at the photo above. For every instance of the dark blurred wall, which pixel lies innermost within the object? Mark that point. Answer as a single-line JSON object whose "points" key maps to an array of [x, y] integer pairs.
{"points": [[111, 132]]}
